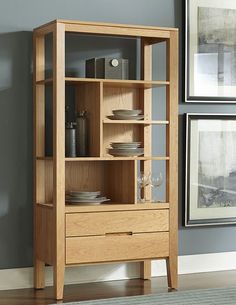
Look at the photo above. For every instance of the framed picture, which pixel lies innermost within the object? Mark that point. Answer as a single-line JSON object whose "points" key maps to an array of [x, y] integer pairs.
{"points": [[210, 169], [210, 51]]}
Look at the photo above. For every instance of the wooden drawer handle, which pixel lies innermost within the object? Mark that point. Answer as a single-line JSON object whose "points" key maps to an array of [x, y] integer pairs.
{"points": [[119, 234]]}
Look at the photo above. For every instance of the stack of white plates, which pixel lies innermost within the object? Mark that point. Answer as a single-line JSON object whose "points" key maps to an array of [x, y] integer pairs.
{"points": [[126, 114], [126, 149], [84, 197]]}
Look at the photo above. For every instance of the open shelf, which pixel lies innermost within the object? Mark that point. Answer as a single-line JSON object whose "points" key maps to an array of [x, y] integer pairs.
{"points": [[110, 158], [142, 122], [116, 207], [69, 208], [109, 82]]}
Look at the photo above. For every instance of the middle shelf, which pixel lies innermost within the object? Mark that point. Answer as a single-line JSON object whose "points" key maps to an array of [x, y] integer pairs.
{"points": [[116, 180]]}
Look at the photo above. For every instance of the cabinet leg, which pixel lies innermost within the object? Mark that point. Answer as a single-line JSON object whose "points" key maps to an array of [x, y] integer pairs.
{"points": [[39, 274], [58, 280], [172, 276], [145, 270]]}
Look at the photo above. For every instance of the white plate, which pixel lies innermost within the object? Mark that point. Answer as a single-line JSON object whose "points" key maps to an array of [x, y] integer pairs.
{"points": [[126, 117], [126, 152], [128, 112], [86, 203], [91, 201], [84, 194], [125, 145]]}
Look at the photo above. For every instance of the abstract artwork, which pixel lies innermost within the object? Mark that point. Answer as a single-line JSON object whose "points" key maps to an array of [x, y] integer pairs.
{"points": [[211, 51], [210, 169]]}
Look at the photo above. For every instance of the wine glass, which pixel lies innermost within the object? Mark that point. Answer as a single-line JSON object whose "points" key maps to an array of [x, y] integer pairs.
{"points": [[156, 181], [143, 181]]}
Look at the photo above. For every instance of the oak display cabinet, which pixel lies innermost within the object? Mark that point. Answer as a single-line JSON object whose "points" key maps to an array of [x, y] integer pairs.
{"points": [[123, 229]]}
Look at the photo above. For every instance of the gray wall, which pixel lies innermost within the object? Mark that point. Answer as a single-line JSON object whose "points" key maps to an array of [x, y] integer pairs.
{"points": [[17, 19]]}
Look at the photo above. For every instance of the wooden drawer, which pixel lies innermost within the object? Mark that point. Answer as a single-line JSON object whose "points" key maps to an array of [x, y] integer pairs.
{"points": [[83, 224], [113, 247]]}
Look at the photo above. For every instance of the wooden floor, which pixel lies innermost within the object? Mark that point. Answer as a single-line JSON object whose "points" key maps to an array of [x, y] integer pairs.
{"points": [[117, 289]]}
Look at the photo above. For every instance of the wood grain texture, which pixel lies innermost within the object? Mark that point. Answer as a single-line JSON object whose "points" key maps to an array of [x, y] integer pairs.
{"points": [[128, 231], [83, 224], [146, 74], [120, 181], [48, 165], [116, 31], [109, 83], [112, 158], [116, 247], [120, 133], [120, 98], [59, 158], [85, 176], [108, 207], [39, 132], [113, 179], [88, 98], [172, 165], [44, 246], [98, 24], [142, 122]]}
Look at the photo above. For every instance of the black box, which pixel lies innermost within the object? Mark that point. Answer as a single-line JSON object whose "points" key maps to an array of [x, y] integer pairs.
{"points": [[107, 68]]}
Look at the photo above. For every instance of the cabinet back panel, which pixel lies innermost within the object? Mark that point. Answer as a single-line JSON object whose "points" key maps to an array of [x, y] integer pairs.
{"points": [[88, 98], [121, 133], [85, 176], [48, 181], [120, 98], [115, 179]]}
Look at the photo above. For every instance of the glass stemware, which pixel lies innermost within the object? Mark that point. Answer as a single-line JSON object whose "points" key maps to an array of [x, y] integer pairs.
{"points": [[156, 181], [143, 181]]}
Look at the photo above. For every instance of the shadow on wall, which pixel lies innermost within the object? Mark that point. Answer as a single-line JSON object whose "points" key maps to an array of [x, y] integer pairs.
{"points": [[16, 149]]}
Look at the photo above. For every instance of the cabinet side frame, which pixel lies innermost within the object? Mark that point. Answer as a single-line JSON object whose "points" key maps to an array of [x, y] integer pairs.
{"points": [[59, 159], [172, 152]]}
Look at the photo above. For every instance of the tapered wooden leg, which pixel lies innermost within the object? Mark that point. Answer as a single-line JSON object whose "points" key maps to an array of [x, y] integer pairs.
{"points": [[39, 274], [58, 280], [172, 278], [145, 270]]}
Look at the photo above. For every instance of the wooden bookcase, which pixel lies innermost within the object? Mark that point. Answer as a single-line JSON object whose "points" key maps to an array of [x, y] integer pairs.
{"points": [[123, 230]]}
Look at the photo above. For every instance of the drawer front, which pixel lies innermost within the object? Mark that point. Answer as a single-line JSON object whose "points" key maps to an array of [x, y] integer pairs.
{"points": [[84, 224], [113, 247]]}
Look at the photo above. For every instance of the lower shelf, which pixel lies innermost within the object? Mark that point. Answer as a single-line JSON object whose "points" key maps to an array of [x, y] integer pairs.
{"points": [[82, 250], [110, 207]]}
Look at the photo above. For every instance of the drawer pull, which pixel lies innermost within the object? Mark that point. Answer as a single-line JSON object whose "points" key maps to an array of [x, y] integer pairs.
{"points": [[119, 234]]}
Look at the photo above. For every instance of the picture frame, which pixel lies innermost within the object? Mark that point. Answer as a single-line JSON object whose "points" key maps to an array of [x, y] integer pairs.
{"points": [[210, 51], [210, 177]]}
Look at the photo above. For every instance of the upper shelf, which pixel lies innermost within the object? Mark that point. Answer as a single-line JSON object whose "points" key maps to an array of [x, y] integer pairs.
{"points": [[124, 30], [110, 82], [108, 158]]}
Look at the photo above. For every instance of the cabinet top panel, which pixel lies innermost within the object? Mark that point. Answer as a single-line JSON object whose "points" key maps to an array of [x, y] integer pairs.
{"points": [[107, 29]]}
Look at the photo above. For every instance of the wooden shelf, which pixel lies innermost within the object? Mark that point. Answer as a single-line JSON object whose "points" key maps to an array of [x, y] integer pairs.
{"points": [[47, 81], [109, 82], [115, 158], [44, 158], [106, 158], [142, 122], [45, 205], [115, 207], [69, 208]]}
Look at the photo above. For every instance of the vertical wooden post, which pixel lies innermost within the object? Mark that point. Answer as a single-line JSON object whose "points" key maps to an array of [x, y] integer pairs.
{"points": [[59, 158], [146, 74], [172, 151], [39, 132]]}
